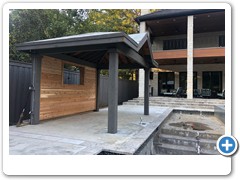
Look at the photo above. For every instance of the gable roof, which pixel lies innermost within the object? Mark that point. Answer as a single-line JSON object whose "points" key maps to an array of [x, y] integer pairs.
{"points": [[91, 49]]}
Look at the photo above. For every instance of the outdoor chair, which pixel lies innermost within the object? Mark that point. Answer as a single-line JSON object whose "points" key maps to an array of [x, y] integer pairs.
{"points": [[177, 93], [172, 92], [196, 93], [221, 95], [206, 93]]}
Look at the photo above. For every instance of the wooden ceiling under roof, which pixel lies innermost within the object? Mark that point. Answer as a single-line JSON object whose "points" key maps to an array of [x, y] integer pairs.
{"points": [[208, 22]]}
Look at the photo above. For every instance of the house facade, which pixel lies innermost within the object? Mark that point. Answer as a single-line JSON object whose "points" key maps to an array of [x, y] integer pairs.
{"points": [[189, 46]]}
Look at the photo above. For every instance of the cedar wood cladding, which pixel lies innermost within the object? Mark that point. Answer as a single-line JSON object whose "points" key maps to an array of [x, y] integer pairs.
{"points": [[58, 99]]}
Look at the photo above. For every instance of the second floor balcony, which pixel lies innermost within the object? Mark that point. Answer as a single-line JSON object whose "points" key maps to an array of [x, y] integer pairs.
{"points": [[216, 54], [206, 45]]}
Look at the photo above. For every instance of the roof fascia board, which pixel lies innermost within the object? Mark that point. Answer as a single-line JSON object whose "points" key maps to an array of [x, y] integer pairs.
{"points": [[36, 46], [155, 64], [71, 39], [81, 41]]}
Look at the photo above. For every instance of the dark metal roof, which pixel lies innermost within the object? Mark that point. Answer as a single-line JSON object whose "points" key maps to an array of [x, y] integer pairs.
{"points": [[92, 49], [74, 40], [170, 13]]}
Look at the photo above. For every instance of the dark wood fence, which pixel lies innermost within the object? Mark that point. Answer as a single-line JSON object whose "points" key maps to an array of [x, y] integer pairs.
{"points": [[126, 90], [20, 75]]}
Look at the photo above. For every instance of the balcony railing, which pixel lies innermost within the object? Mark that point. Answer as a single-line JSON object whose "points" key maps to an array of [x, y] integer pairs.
{"points": [[175, 44], [206, 41]]}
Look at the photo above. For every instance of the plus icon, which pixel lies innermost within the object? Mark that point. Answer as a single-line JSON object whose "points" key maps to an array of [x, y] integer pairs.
{"points": [[227, 145]]}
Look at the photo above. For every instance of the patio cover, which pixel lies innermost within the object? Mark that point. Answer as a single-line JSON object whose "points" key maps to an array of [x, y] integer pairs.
{"points": [[92, 49], [101, 50]]}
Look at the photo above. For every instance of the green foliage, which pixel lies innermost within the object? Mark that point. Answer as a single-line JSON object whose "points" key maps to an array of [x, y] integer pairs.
{"points": [[129, 74], [36, 24], [106, 20]]}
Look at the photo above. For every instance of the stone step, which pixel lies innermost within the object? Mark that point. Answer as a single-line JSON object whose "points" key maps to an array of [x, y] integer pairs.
{"points": [[169, 104], [185, 133], [176, 102], [179, 100], [185, 99], [166, 102], [206, 144], [169, 149], [174, 105]]}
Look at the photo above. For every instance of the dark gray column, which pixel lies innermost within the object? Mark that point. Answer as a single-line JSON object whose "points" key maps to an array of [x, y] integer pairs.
{"points": [[146, 91], [97, 89], [35, 95], [113, 92]]}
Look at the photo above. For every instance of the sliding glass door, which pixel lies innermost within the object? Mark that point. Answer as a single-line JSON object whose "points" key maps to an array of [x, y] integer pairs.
{"points": [[183, 80], [165, 82], [212, 80]]}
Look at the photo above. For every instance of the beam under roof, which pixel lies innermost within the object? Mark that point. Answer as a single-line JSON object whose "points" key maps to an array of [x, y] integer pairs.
{"points": [[72, 59]]}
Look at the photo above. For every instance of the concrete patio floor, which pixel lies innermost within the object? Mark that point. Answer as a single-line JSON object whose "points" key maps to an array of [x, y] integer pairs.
{"points": [[87, 133]]}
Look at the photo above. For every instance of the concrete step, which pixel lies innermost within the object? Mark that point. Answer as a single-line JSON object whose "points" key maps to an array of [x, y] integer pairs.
{"points": [[169, 149], [205, 144], [180, 99], [185, 133], [173, 105], [176, 102]]}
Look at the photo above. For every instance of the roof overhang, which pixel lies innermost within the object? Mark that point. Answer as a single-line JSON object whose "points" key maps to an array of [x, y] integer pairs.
{"points": [[171, 13], [169, 22], [92, 49]]}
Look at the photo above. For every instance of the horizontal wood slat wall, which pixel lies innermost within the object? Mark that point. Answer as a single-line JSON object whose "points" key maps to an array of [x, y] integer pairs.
{"points": [[58, 99]]}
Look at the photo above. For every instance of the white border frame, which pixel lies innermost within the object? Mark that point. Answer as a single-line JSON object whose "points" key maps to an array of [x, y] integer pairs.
{"points": [[114, 165]]}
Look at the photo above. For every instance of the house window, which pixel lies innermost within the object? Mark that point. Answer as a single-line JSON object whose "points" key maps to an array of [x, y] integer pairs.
{"points": [[73, 74], [222, 41], [175, 44]]}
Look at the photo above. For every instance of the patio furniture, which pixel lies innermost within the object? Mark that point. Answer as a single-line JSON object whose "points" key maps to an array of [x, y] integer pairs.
{"points": [[171, 92], [178, 93], [196, 93], [206, 93], [221, 95]]}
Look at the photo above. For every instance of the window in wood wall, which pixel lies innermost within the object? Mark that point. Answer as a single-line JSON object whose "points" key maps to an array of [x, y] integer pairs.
{"points": [[73, 74]]}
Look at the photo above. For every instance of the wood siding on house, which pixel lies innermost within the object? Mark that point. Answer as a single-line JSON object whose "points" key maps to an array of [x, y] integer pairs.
{"points": [[58, 99], [197, 53]]}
